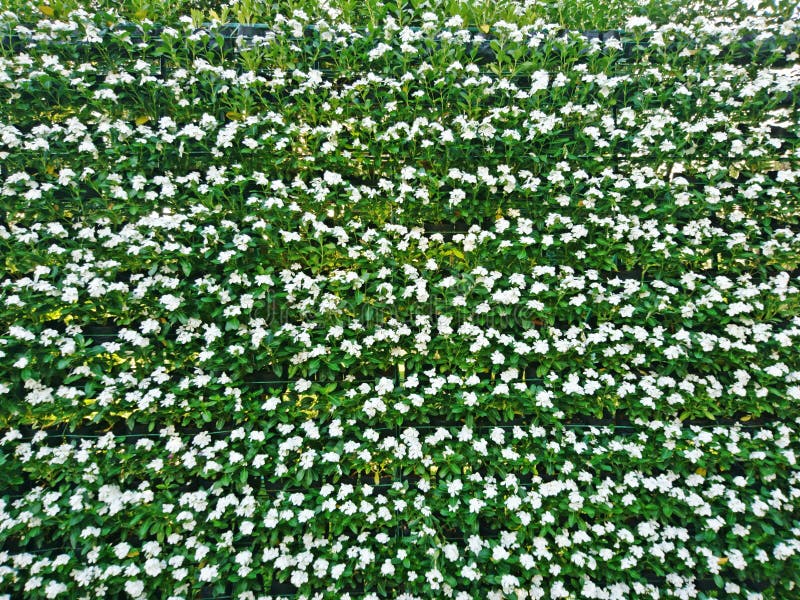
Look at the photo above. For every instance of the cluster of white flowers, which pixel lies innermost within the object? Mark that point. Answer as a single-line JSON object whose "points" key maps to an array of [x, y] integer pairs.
{"points": [[357, 312], [473, 518]]}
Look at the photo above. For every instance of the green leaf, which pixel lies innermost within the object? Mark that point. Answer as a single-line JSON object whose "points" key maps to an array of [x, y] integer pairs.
{"points": [[143, 529]]}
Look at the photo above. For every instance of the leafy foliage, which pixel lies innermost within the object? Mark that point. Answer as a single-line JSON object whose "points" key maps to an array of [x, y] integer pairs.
{"points": [[360, 300]]}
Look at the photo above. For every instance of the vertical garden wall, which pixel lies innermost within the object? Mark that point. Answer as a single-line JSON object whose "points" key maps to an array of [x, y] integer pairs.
{"points": [[361, 302]]}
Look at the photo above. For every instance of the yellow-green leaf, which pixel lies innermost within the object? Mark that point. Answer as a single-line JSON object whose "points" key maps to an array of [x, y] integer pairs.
{"points": [[46, 10]]}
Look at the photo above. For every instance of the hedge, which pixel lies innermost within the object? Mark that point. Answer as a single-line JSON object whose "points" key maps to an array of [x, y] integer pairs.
{"points": [[414, 307]]}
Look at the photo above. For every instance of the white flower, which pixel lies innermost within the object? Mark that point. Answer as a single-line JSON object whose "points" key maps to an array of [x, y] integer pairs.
{"points": [[134, 588], [384, 386], [470, 572], [387, 568], [558, 590], [527, 561], [121, 550], [509, 583], [435, 578], [539, 81], [153, 567], [337, 570], [170, 302], [208, 573], [456, 196], [378, 51], [454, 487], [499, 553]]}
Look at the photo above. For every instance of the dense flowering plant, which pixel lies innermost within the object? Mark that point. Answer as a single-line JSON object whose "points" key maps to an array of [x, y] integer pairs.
{"points": [[367, 301]]}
